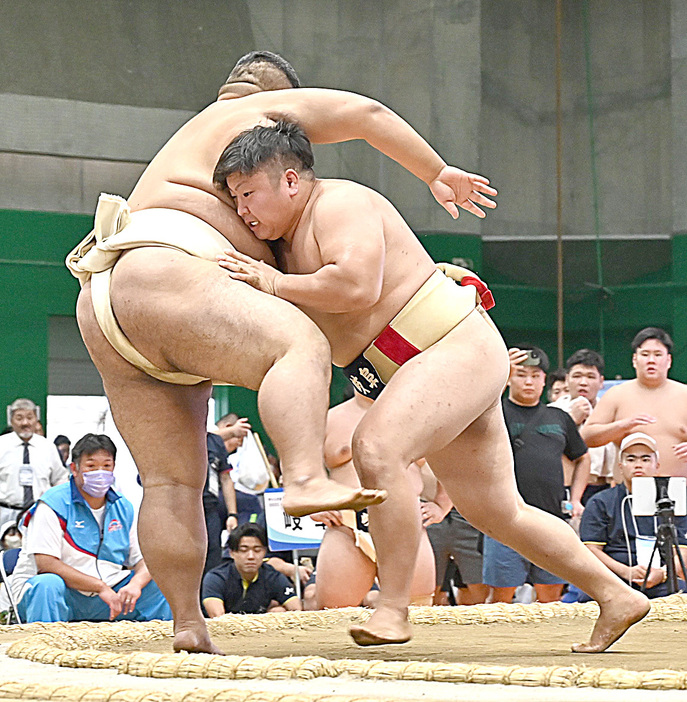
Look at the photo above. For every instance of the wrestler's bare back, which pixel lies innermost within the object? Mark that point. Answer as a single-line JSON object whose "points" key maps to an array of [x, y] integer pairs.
{"points": [[389, 255], [666, 403]]}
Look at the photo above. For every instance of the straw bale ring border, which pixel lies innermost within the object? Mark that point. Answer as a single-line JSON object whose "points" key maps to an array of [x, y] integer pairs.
{"points": [[77, 645]]}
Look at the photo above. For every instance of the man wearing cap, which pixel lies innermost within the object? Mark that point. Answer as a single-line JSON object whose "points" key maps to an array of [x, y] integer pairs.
{"points": [[610, 530], [540, 437]]}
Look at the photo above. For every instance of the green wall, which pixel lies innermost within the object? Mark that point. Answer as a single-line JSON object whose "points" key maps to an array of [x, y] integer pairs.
{"points": [[34, 284]]}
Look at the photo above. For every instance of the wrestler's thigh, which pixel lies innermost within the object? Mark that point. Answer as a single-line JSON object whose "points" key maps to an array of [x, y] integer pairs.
{"points": [[163, 425], [476, 469], [437, 394], [186, 313], [344, 573]]}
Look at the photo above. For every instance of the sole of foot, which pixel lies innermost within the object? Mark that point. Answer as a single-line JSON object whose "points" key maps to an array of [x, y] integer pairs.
{"points": [[363, 637], [330, 499]]}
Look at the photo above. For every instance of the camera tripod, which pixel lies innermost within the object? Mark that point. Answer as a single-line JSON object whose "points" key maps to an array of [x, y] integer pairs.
{"points": [[667, 543]]}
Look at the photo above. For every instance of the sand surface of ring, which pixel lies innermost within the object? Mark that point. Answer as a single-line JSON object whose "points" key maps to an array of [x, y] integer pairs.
{"points": [[647, 646]]}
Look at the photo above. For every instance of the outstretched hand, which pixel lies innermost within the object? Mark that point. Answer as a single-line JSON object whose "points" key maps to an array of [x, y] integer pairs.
{"points": [[256, 273], [454, 188]]}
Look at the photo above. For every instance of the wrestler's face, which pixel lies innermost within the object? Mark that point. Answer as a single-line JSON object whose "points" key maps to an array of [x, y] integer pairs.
{"points": [[638, 461], [249, 556], [652, 361], [584, 381], [526, 385], [264, 201], [24, 423]]}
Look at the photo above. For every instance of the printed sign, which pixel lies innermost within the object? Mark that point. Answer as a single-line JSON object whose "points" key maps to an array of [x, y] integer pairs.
{"points": [[287, 533]]}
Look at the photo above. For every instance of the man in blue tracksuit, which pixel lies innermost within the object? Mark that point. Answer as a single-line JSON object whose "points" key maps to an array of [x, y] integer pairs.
{"points": [[80, 558]]}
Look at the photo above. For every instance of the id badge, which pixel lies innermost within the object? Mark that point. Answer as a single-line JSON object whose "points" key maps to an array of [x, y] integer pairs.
{"points": [[25, 475]]}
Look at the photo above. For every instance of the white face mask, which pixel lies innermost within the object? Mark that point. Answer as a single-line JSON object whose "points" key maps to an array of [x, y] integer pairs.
{"points": [[97, 482], [12, 542]]}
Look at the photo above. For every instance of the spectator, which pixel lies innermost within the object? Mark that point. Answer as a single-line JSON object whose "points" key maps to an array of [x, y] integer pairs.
{"points": [[63, 445], [540, 436], [29, 463], [558, 384], [80, 541], [651, 403], [585, 380], [249, 507], [219, 499], [247, 585], [455, 540], [610, 530], [9, 536]]}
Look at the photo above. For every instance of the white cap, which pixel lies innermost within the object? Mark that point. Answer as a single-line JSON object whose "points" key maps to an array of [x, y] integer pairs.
{"points": [[640, 438]]}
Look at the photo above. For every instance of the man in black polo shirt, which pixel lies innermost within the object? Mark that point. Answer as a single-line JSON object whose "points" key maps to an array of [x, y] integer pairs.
{"points": [[611, 532], [540, 436], [247, 585]]}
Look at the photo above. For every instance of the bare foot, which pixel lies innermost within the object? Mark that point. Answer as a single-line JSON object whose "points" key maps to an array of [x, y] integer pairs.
{"points": [[615, 619], [386, 626], [195, 642], [319, 495]]}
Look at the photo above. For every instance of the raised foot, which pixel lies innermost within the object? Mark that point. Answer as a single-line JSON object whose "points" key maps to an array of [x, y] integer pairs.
{"points": [[322, 495], [615, 619], [195, 642], [385, 626]]}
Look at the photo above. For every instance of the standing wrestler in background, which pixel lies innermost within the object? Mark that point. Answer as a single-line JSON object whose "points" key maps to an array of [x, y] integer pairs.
{"points": [[651, 403], [161, 320], [395, 322]]}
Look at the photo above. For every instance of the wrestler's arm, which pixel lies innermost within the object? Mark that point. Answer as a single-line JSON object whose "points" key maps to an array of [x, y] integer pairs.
{"points": [[581, 470], [333, 116], [602, 427], [349, 234]]}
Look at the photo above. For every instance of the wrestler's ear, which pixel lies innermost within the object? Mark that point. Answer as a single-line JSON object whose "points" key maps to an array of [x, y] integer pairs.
{"points": [[292, 180]]}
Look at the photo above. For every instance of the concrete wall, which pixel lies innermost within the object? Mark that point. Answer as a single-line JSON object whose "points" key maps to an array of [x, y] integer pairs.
{"points": [[90, 91]]}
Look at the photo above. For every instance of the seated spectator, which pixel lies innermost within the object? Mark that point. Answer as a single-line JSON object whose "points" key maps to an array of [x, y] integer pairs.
{"points": [[80, 557], [247, 585], [10, 543], [610, 530], [63, 445], [9, 536]]}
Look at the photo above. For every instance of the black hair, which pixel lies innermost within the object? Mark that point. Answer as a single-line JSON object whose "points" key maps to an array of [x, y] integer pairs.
{"points": [[61, 439], [246, 529], [538, 355], [90, 443], [652, 333], [586, 357], [255, 57], [558, 374], [284, 144]]}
